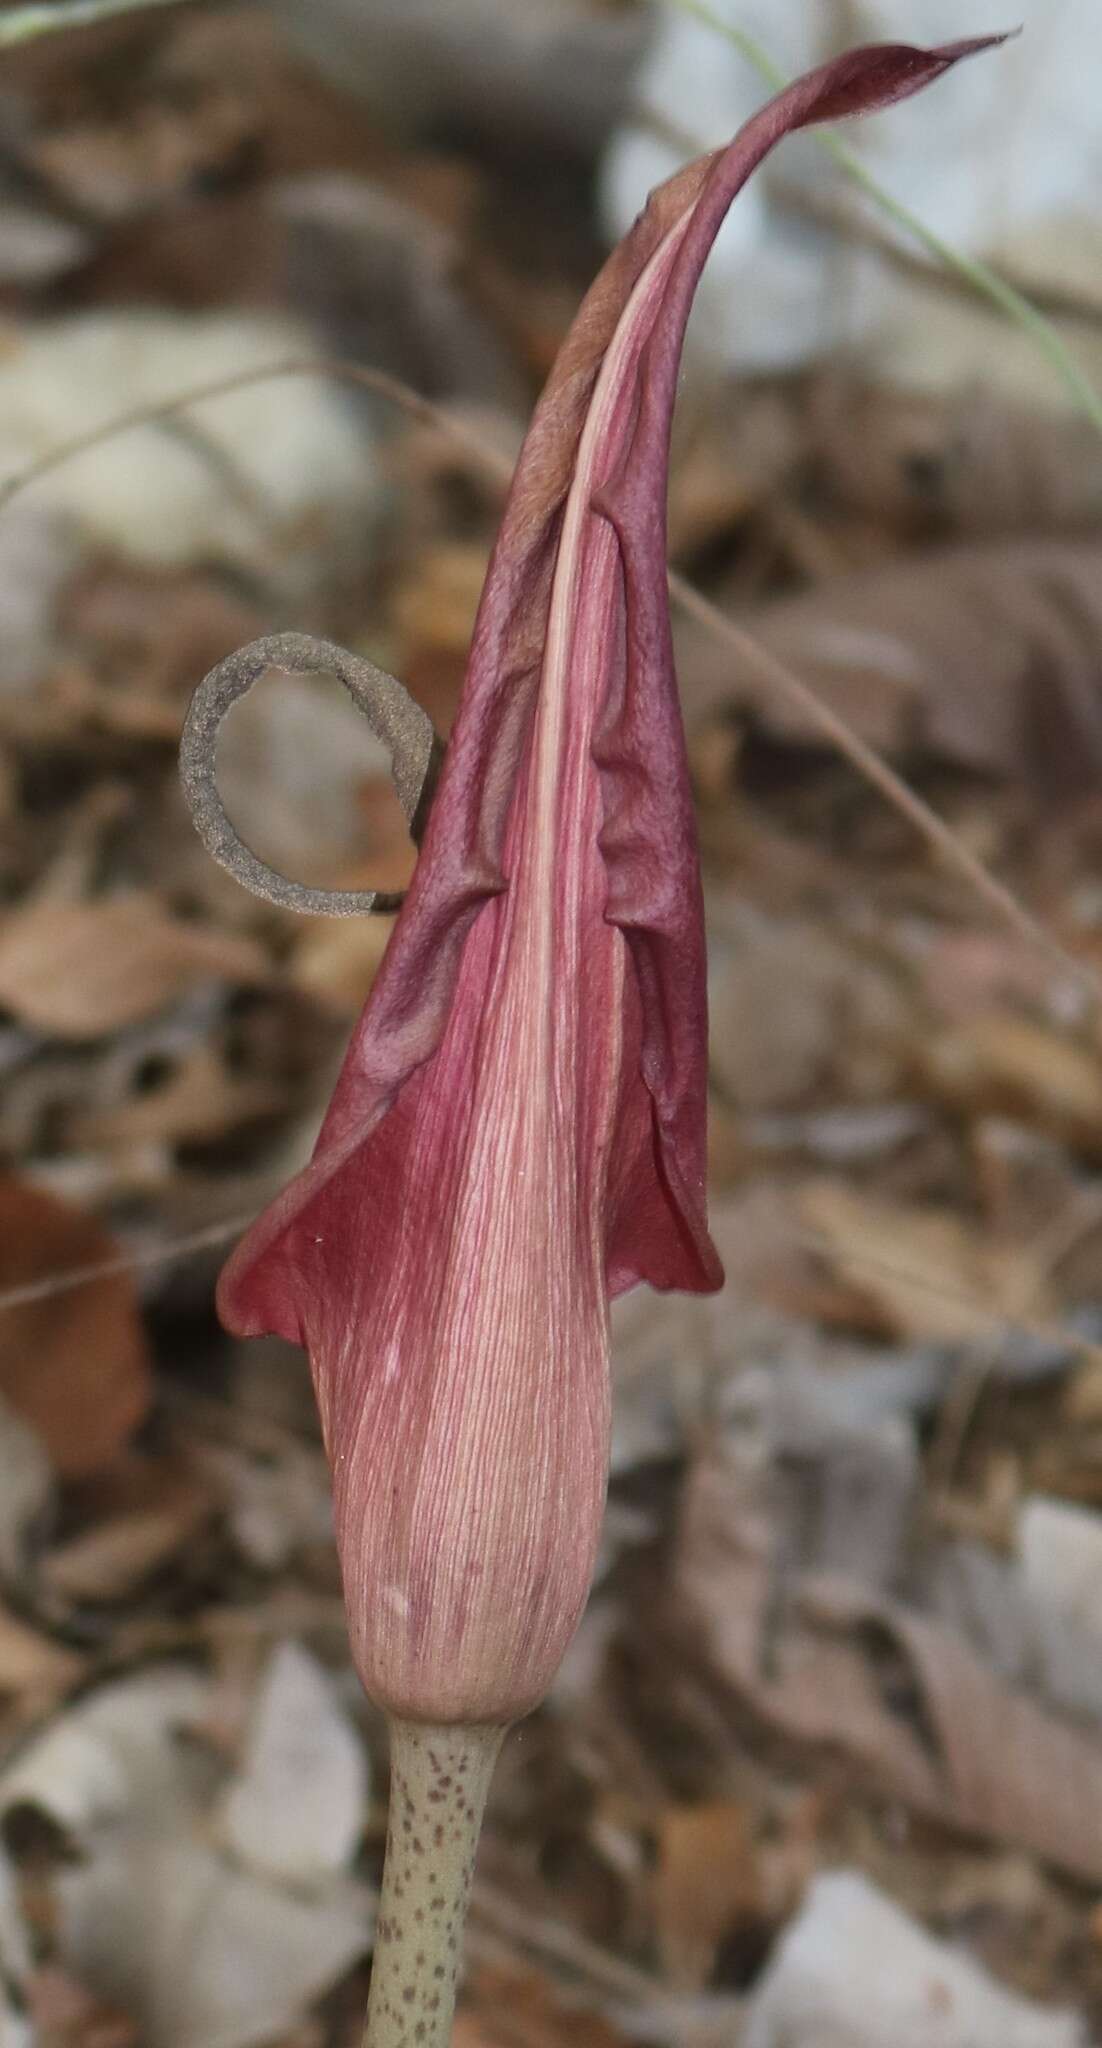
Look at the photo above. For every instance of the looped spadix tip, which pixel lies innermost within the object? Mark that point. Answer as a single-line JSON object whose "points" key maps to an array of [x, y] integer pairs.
{"points": [[394, 717]]}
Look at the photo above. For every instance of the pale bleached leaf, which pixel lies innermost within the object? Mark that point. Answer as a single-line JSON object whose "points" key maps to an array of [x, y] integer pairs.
{"points": [[854, 1972], [299, 1803]]}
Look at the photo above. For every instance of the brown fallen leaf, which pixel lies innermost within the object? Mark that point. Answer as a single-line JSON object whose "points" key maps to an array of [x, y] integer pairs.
{"points": [[921, 1273], [30, 1662], [965, 971], [706, 1884], [141, 1513], [519, 2009], [65, 2015], [435, 606], [75, 1365], [964, 461], [985, 656], [999, 1063], [731, 458], [335, 962], [148, 633], [199, 1097], [901, 1698], [81, 970]]}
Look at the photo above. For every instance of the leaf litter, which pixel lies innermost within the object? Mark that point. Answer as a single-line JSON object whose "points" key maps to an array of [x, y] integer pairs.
{"points": [[838, 1695]]}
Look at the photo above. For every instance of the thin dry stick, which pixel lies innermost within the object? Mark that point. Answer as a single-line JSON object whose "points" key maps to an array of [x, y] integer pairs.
{"points": [[868, 763], [53, 1284], [849, 224], [72, 1277], [338, 368], [554, 1941], [1068, 1228], [1051, 302], [986, 283], [873, 767]]}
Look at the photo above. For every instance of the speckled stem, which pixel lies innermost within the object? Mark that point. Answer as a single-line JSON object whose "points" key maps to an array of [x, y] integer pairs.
{"points": [[439, 1778]]}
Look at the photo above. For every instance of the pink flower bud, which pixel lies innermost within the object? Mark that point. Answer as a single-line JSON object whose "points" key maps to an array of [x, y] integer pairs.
{"points": [[518, 1132]]}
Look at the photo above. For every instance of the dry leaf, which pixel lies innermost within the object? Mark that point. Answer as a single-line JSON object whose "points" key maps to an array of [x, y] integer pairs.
{"points": [[1060, 1546], [150, 1916], [922, 1273], [30, 1662], [967, 462], [436, 605], [986, 656], [335, 961], [999, 1063], [778, 998], [116, 1752], [855, 1972], [298, 1807], [198, 1097], [76, 1364], [511, 2009], [1030, 1639], [385, 285], [966, 1749], [706, 1882], [148, 635], [276, 1505], [542, 72], [38, 555], [81, 970], [141, 1512], [204, 1955], [64, 2015]]}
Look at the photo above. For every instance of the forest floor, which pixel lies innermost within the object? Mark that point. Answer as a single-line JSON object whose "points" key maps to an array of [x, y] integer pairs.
{"points": [[837, 1700]]}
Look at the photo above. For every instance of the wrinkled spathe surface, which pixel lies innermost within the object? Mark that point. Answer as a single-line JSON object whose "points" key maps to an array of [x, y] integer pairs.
{"points": [[518, 1132]]}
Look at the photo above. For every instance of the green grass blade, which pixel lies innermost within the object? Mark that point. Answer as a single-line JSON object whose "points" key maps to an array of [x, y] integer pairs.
{"points": [[23, 24], [981, 279]]}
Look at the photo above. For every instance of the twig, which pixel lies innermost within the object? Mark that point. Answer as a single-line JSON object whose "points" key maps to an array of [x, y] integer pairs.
{"points": [[977, 275], [1047, 1332], [53, 1284], [848, 221], [863, 758], [873, 767], [564, 1945], [336, 367], [1056, 302]]}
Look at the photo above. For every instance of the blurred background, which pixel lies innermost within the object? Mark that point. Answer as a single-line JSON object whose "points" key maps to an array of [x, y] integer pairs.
{"points": [[824, 1766]]}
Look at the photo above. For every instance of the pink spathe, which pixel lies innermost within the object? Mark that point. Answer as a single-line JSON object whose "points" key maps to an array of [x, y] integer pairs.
{"points": [[518, 1132]]}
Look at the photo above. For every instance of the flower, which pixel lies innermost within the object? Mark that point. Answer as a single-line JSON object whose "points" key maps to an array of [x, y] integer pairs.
{"points": [[518, 1131]]}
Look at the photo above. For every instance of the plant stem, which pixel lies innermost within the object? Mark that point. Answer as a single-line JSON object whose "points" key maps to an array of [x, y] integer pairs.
{"points": [[439, 1778]]}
